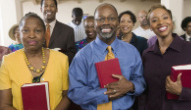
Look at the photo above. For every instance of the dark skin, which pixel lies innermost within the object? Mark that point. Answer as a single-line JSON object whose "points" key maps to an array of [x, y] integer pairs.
{"points": [[120, 88], [32, 35]]}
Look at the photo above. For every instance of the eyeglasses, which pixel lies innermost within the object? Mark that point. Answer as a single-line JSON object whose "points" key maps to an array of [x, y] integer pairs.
{"points": [[109, 19]]}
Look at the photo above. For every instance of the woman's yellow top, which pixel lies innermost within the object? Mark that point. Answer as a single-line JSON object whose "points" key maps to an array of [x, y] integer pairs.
{"points": [[14, 73]]}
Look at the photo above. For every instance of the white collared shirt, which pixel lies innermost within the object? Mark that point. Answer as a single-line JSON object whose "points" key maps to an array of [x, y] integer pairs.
{"points": [[187, 37], [144, 33], [52, 24], [79, 31]]}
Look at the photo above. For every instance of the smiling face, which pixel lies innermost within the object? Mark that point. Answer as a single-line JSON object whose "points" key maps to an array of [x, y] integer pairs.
{"points": [[126, 24], [106, 22], [161, 22], [89, 28], [32, 33], [49, 10]]}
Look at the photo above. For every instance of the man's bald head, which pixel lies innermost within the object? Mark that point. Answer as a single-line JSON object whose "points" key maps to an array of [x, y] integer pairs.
{"points": [[105, 5], [142, 17]]}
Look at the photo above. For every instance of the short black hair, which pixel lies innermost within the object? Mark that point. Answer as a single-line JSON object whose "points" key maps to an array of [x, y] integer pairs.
{"points": [[106, 4], [34, 15], [132, 16], [55, 2], [185, 22], [77, 11]]}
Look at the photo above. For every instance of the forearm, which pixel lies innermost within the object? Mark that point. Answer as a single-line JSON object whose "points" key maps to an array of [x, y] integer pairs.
{"points": [[64, 104]]}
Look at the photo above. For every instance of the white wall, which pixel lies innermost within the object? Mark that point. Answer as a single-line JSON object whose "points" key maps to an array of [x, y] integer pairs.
{"points": [[8, 19]]}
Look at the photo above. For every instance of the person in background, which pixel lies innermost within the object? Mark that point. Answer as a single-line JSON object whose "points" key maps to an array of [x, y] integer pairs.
{"points": [[77, 24], [14, 35], [118, 32], [169, 50], [90, 33], [127, 21], [3, 51], [33, 64], [85, 88], [186, 26], [143, 30], [58, 36]]}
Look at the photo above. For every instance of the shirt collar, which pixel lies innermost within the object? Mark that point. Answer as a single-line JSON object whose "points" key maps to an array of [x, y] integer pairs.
{"points": [[175, 45], [52, 24], [187, 37], [102, 46], [133, 39]]}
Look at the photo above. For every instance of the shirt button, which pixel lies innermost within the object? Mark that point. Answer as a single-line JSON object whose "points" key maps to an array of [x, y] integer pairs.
{"points": [[103, 100]]}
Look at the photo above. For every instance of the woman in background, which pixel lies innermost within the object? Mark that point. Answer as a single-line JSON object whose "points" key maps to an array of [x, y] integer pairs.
{"points": [[90, 33], [127, 21], [14, 35]]}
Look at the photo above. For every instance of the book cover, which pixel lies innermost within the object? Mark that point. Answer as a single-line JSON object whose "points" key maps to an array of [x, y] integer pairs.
{"points": [[185, 78], [35, 96], [105, 69]]}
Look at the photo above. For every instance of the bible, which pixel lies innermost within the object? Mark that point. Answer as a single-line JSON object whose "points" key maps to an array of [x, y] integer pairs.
{"points": [[35, 96], [105, 69], [185, 78]]}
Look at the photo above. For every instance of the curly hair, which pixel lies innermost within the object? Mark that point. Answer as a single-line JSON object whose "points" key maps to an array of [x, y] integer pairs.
{"points": [[185, 22]]}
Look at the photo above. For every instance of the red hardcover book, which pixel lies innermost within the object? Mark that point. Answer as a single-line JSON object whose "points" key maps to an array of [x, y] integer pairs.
{"points": [[35, 96], [105, 69], [185, 78]]}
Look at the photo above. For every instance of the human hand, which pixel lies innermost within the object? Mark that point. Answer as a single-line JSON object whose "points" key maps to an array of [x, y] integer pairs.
{"points": [[117, 89], [174, 87]]}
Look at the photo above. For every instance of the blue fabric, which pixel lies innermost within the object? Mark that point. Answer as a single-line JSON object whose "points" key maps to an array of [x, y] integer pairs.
{"points": [[15, 47], [84, 87], [80, 44]]}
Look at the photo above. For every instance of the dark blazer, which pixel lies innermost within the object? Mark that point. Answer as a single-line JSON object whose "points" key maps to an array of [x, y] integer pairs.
{"points": [[139, 42], [183, 36], [63, 37]]}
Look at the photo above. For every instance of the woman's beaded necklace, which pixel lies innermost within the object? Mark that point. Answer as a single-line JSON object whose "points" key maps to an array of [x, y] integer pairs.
{"points": [[31, 68]]}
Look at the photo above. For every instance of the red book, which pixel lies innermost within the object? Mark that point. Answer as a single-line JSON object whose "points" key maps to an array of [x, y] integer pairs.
{"points": [[105, 69], [185, 78], [35, 96]]}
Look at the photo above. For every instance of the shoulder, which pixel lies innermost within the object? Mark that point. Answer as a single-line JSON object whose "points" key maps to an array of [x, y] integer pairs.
{"points": [[14, 55], [57, 54], [141, 38], [63, 25]]}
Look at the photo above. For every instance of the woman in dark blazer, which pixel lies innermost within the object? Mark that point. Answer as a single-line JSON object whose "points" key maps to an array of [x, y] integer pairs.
{"points": [[126, 22]]}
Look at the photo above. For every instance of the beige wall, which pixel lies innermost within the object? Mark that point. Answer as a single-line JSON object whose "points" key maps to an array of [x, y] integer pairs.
{"points": [[9, 14], [65, 8]]}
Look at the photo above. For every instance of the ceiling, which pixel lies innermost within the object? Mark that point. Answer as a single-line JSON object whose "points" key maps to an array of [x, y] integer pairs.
{"points": [[79, 1]]}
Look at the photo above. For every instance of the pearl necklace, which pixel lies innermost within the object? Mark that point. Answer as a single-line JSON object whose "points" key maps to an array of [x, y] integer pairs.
{"points": [[31, 68]]}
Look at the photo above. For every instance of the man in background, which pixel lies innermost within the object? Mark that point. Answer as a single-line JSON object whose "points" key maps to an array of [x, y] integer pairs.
{"points": [[58, 36], [186, 26], [143, 30], [77, 24]]}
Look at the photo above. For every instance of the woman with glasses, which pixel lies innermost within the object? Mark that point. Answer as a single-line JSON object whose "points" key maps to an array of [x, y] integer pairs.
{"points": [[33, 64]]}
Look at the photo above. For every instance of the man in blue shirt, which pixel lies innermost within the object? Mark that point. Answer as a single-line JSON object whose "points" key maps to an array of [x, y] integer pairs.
{"points": [[84, 87]]}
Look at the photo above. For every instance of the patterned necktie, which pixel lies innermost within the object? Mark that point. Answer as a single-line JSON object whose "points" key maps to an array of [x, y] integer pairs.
{"points": [[107, 106], [47, 35]]}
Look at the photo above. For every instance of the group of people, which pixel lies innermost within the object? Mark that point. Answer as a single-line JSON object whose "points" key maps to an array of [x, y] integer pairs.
{"points": [[76, 80]]}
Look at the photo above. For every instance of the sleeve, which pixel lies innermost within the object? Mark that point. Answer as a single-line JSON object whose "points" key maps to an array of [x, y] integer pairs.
{"points": [[65, 74], [5, 82], [137, 76], [185, 94], [79, 91], [71, 48]]}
